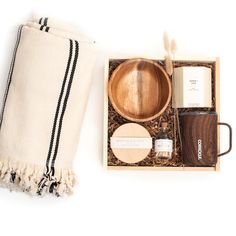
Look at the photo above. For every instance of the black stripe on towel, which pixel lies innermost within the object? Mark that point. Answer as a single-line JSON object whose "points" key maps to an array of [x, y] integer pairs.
{"points": [[11, 72], [59, 104], [40, 20], [47, 176], [65, 102], [45, 21]]}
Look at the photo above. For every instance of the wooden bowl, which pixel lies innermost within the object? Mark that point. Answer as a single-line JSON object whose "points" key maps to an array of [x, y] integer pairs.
{"points": [[139, 90]]}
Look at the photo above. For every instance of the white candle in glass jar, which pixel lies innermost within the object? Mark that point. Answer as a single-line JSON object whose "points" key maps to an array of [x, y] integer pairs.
{"points": [[192, 87]]}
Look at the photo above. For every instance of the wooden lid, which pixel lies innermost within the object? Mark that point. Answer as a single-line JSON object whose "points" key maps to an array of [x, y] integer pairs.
{"points": [[131, 155]]}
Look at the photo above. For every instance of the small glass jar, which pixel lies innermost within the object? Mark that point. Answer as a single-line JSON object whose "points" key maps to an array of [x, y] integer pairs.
{"points": [[163, 144]]}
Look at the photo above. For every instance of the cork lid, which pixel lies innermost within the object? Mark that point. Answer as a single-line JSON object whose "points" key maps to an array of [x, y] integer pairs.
{"points": [[164, 124]]}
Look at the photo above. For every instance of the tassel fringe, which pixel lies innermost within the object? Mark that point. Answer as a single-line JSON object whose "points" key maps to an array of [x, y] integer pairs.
{"points": [[31, 179]]}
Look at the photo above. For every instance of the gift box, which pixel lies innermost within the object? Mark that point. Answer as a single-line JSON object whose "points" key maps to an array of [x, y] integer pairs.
{"points": [[114, 120]]}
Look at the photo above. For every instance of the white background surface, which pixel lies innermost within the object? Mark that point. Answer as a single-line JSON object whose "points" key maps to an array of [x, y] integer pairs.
{"points": [[131, 203]]}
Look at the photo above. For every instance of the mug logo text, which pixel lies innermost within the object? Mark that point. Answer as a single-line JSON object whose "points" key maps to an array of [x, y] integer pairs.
{"points": [[199, 149]]}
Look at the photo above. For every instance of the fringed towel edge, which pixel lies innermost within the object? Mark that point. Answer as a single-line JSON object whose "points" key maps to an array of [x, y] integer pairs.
{"points": [[28, 178]]}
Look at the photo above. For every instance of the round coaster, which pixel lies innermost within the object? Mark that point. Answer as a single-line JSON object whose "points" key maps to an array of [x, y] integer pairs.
{"points": [[131, 143]]}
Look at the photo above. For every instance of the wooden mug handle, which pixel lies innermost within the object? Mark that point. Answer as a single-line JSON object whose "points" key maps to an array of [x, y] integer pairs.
{"points": [[230, 138]]}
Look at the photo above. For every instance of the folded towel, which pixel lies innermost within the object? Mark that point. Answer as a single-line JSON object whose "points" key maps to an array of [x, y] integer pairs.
{"points": [[43, 107]]}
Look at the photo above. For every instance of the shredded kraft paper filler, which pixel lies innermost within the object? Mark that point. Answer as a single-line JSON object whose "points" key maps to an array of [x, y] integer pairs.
{"points": [[43, 107]]}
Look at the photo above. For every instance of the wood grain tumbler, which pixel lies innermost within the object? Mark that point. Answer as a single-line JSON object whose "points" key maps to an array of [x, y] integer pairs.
{"points": [[199, 138]]}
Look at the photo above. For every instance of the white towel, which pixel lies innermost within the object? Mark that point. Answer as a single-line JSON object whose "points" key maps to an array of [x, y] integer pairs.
{"points": [[43, 107]]}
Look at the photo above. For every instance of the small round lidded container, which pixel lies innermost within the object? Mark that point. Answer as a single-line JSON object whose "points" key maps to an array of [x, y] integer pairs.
{"points": [[163, 143]]}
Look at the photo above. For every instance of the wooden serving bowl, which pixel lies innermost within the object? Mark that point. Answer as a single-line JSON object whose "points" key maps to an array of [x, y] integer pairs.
{"points": [[139, 90]]}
